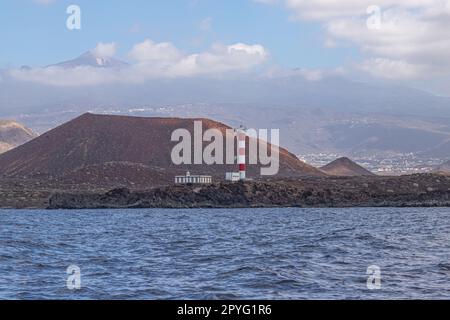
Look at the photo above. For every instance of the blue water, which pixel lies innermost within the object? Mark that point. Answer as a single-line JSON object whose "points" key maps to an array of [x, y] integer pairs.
{"points": [[225, 254]]}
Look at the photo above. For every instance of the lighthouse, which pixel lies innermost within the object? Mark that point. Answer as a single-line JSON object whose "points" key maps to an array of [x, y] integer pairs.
{"points": [[241, 152], [241, 135]]}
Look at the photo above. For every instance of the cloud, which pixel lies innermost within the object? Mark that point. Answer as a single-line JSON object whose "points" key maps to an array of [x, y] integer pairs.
{"points": [[105, 50], [307, 74], [148, 51], [152, 61], [62, 77], [411, 34], [392, 69], [164, 59], [323, 10]]}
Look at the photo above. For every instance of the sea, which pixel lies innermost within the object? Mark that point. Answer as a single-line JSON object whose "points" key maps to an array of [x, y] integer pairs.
{"points": [[280, 254]]}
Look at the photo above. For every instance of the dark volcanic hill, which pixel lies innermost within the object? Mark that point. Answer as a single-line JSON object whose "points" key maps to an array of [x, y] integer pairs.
{"points": [[120, 150], [13, 134], [345, 167]]}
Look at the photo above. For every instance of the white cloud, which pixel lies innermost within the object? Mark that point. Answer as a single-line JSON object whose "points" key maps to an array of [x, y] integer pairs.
{"points": [[323, 10], [392, 69], [256, 50], [164, 59], [63, 77], [152, 60], [148, 51], [105, 50], [307, 74], [413, 34]]}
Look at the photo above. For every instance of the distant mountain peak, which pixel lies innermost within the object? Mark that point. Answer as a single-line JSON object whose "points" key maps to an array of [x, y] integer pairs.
{"points": [[13, 134], [89, 59], [345, 167]]}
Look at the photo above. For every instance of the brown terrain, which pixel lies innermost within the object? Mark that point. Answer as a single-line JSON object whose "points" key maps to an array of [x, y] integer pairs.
{"points": [[13, 134], [106, 148], [102, 152], [97, 161], [346, 168]]}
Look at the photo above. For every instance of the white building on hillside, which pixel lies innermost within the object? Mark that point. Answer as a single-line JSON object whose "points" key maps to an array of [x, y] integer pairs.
{"points": [[193, 179], [233, 176]]}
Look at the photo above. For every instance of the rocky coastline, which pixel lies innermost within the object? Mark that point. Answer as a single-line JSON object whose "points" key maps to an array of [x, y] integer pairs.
{"points": [[424, 190]]}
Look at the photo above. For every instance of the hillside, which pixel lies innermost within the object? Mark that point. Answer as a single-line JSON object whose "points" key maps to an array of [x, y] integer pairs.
{"points": [[119, 150], [345, 167], [443, 168], [13, 134]]}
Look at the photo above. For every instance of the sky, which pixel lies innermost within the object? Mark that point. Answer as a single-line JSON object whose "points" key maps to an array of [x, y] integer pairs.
{"points": [[401, 40], [35, 32]]}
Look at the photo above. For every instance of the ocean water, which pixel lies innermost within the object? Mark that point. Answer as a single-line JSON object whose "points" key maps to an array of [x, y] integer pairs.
{"points": [[225, 254]]}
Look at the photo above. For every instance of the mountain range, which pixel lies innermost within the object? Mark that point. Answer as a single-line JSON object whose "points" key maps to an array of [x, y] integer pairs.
{"points": [[328, 115], [90, 59], [109, 161], [108, 151]]}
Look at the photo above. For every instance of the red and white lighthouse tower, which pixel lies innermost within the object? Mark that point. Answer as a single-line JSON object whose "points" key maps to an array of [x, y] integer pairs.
{"points": [[241, 152]]}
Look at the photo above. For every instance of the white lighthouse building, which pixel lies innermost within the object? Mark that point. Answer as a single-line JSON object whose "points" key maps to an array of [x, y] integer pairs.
{"points": [[193, 179], [241, 158]]}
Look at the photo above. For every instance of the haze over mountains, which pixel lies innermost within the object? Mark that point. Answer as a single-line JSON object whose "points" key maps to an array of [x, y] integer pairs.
{"points": [[324, 114]]}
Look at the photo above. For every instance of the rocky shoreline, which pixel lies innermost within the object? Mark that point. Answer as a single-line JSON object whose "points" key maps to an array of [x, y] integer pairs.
{"points": [[424, 190]]}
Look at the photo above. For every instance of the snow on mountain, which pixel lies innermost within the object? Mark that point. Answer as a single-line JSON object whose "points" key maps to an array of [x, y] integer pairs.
{"points": [[92, 60]]}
